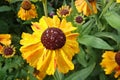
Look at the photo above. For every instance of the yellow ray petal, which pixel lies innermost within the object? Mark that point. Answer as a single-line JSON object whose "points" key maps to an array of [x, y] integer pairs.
{"points": [[44, 60], [66, 26], [49, 21], [72, 36], [28, 50], [28, 39], [36, 26], [51, 68], [34, 57], [118, 1], [5, 39], [63, 63], [43, 24], [56, 21]]}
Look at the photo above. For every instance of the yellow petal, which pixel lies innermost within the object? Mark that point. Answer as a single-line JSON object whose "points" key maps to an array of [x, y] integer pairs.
{"points": [[72, 36], [34, 56], [51, 68], [63, 63], [108, 62], [5, 39], [118, 1], [56, 21], [43, 24], [36, 26], [28, 39], [66, 26], [29, 49]]}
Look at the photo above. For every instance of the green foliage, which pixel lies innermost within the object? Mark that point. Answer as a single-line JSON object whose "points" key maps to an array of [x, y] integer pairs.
{"points": [[113, 20], [82, 74]]}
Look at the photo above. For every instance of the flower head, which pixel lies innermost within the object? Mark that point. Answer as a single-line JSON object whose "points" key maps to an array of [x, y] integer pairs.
{"points": [[83, 6], [111, 62], [50, 46], [8, 51], [27, 10], [5, 39], [79, 19], [64, 11]]}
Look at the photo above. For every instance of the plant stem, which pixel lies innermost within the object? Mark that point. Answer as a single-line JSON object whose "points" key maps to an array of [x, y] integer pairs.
{"points": [[44, 2]]}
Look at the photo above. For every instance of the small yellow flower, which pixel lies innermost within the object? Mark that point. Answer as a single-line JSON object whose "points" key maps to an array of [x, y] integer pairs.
{"points": [[111, 62], [27, 10], [83, 6], [64, 11], [5, 39], [50, 46], [79, 19], [8, 51], [118, 1]]}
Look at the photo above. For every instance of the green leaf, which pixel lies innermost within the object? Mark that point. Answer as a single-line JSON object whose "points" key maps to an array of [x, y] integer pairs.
{"points": [[82, 74], [93, 41], [81, 58], [4, 8], [108, 35], [102, 76], [58, 75], [2, 74], [86, 28], [113, 19]]}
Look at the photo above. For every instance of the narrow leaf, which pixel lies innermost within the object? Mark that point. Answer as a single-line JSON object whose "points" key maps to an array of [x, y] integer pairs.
{"points": [[4, 8], [81, 58], [108, 35], [94, 42], [82, 74], [113, 19]]}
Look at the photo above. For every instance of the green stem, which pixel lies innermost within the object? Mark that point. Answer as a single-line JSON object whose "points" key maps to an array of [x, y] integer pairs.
{"points": [[45, 7], [106, 8]]}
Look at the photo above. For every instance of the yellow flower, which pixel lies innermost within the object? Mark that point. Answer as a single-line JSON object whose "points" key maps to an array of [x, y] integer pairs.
{"points": [[27, 10], [79, 19], [118, 1], [83, 6], [5, 39], [8, 51], [64, 11], [50, 46], [111, 62]]}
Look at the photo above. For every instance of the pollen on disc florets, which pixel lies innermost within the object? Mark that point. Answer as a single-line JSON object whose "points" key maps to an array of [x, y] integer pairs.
{"points": [[26, 4], [53, 38], [117, 57]]}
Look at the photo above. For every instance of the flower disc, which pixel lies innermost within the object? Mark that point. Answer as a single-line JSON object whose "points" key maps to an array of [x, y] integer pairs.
{"points": [[53, 38]]}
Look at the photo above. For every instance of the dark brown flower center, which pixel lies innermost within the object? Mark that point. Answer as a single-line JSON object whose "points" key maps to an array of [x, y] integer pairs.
{"points": [[79, 19], [90, 0], [26, 4], [64, 12], [8, 50], [117, 57], [53, 38]]}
